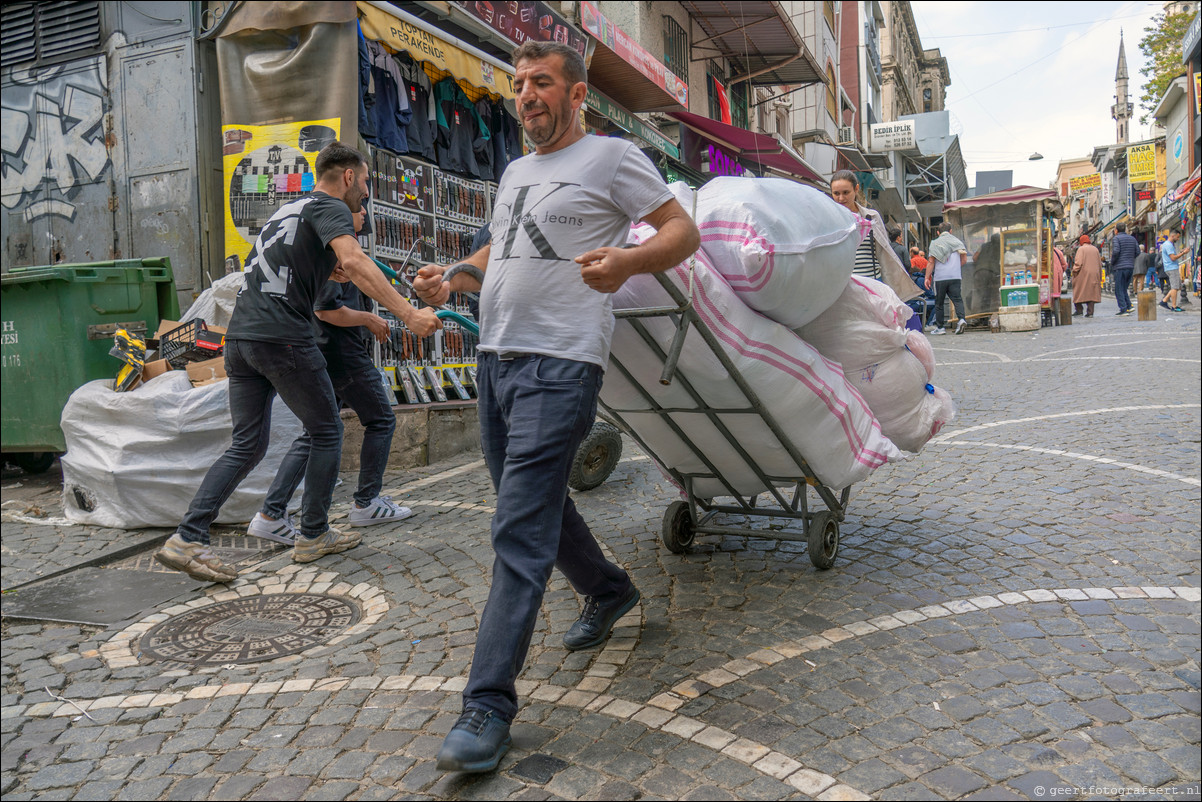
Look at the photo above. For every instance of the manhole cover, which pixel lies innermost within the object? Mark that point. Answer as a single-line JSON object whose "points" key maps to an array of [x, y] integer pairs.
{"points": [[250, 629]]}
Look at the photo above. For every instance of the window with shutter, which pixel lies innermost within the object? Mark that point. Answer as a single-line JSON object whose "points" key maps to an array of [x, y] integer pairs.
{"points": [[47, 33]]}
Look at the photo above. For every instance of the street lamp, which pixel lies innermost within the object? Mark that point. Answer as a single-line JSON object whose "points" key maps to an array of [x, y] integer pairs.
{"points": [[1034, 157]]}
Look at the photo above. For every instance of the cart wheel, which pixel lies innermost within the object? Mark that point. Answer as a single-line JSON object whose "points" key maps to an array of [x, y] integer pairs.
{"points": [[824, 539], [33, 461], [596, 458], [678, 527]]}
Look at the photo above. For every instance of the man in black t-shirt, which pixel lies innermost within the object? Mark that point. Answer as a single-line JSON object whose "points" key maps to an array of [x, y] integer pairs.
{"points": [[343, 321], [271, 348]]}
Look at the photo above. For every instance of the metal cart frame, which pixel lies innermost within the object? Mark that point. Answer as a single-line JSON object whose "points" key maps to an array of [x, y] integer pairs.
{"points": [[693, 516]]}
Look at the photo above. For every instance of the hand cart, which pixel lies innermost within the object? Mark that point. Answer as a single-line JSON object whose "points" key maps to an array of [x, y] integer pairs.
{"points": [[692, 516]]}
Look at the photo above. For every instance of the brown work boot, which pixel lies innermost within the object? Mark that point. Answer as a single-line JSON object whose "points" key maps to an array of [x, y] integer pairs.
{"points": [[195, 560], [332, 541]]}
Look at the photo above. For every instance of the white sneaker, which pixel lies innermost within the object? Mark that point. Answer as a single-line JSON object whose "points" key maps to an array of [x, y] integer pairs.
{"points": [[381, 510], [939, 331], [963, 324], [281, 531]]}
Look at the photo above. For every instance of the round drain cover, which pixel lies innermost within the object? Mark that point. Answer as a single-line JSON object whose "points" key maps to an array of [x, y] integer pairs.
{"points": [[250, 629]]}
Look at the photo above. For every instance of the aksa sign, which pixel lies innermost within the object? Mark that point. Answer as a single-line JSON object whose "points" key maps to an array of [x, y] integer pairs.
{"points": [[897, 135], [1141, 163]]}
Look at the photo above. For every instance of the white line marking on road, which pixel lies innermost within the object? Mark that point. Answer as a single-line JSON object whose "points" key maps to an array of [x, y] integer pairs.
{"points": [[1001, 357], [961, 432], [1088, 457], [1140, 357], [1038, 357]]}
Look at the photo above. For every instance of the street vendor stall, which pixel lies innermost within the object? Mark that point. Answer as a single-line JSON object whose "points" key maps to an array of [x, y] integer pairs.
{"points": [[1009, 235]]}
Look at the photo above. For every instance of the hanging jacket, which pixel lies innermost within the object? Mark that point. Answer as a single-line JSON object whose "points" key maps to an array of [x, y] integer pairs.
{"points": [[459, 126], [367, 93], [420, 130], [392, 111], [482, 146]]}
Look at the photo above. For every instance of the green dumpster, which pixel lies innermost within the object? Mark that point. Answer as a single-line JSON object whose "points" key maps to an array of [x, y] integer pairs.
{"points": [[57, 329]]}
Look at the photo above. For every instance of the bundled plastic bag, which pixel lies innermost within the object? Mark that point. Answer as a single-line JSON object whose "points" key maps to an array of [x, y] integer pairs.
{"points": [[892, 368], [135, 459], [215, 305], [806, 394], [784, 248]]}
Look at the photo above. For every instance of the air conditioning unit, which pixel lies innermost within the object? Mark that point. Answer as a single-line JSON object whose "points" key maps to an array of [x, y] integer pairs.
{"points": [[846, 134]]}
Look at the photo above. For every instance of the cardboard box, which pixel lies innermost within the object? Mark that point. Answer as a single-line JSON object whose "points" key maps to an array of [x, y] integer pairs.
{"points": [[207, 372], [156, 368]]}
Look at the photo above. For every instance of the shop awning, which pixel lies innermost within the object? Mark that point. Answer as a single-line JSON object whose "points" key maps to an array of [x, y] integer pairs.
{"points": [[1121, 217], [403, 32], [622, 69], [1190, 185], [762, 149], [855, 158], [1014, 195], [759, 37], [603, 106]]}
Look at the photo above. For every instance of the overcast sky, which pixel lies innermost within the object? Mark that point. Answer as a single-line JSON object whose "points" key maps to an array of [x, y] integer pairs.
{"points": [[1034, 77]]}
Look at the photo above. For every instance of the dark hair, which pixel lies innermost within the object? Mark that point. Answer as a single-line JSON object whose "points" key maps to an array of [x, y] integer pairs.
{"points": [[894, 231], [846, 175], [573, 63], [1121, 228], [943, 227], [336, 157]]}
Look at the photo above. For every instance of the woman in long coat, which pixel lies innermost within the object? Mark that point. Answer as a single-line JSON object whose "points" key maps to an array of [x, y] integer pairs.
{"points": [[1087, 277]]}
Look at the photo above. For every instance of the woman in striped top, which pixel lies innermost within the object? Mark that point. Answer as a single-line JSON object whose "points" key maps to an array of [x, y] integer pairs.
{"points": [[875, 257]]}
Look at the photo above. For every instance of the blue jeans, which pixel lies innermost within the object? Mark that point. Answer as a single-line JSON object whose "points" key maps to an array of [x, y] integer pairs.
{"points": [[534, 412], [1122, 287], [363, 390], [257, 371]]}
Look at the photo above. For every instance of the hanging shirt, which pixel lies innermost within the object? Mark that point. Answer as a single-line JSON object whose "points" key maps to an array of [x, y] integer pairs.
{"points": [[459, 128], [391, 108], [417, 87], [482, 146], [367, 93]]}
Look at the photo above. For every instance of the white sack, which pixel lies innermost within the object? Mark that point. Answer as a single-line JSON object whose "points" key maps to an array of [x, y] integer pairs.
{"points": [[137, 458], [785, 248], [864, 332], [215, 305], [829, 423]]}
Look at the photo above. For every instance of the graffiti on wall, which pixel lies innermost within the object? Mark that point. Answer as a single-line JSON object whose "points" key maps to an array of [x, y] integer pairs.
{"points": [[53, 137]]}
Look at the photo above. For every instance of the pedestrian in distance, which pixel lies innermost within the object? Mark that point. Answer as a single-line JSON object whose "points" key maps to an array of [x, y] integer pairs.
{"points": [[1144, 269], [918, 261], [1087, 278], [948, 257], [875, 257], [342, 326], [1173, 256], [1123, 251], [271, 348], [560, 218]]}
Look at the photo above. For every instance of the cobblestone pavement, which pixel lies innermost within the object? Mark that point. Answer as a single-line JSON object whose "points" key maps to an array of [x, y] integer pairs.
{"points": [[1014, 614]]}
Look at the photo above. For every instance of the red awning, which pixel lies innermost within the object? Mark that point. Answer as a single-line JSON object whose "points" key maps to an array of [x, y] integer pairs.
{"points": [[762, 149], [1020, 194], [1189, 186]]}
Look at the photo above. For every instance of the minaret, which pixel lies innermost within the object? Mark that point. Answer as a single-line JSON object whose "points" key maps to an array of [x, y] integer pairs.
{"points": [[1121, 111]]}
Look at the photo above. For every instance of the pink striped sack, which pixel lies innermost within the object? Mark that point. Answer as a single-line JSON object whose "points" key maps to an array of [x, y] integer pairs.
{"points": [[784, 248], [830, 424], [889, 366]]}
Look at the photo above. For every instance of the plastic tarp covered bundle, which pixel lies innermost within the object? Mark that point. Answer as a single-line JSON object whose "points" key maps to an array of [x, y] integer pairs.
{"points": [[784, 248], [215, 305], [864, 331], [135, 459], [807, 395]]}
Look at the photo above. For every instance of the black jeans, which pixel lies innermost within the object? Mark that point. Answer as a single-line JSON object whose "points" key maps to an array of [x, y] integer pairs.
{"points": [[363, 391], [1122, 287], [948, 288], [534, 412], [257, 371]]}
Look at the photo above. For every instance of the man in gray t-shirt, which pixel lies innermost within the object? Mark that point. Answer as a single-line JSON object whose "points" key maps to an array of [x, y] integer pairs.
{"points": [[559, 221]]}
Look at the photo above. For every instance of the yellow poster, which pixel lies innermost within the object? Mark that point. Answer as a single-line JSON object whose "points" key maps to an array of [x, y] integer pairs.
{"points": [[1085, 183], [1141, 163], [399, 35], [266, 166]]}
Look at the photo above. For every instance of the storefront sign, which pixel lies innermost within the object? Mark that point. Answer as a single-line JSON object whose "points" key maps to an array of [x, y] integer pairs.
{"points": [[521, 21], [632, 53], [629, 123], [1141, 163], [1190, 40], [1144, 195], [1179, 146], [398, 34], [897, 135], [722, 163], [1085, 183], [1107, 189]]}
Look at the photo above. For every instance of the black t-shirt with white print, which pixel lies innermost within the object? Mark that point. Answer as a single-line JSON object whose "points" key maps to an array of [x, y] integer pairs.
{"points": [[286, 269]]}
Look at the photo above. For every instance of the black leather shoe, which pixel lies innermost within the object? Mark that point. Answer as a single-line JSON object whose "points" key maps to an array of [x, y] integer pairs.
{"points": [[595, 621], [476, 743]]}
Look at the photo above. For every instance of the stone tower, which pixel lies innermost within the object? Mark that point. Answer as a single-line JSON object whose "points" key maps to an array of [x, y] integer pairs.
{"points": [[1122, 110]]}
